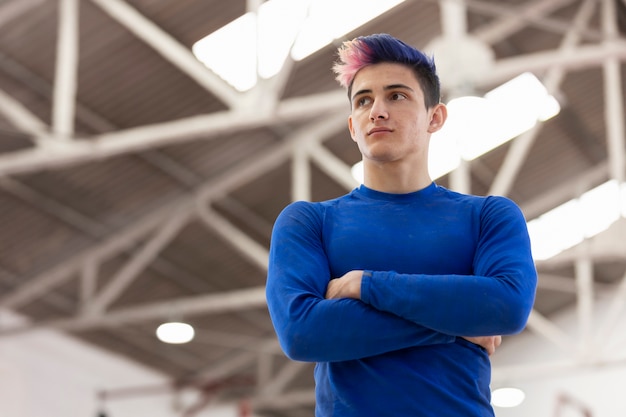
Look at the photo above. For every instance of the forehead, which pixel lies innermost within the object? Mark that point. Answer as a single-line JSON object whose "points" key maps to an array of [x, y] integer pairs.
{"points": [[384, 74]]}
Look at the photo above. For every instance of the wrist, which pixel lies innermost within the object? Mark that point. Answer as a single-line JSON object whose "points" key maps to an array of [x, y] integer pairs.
{"points": [[364, 285]]}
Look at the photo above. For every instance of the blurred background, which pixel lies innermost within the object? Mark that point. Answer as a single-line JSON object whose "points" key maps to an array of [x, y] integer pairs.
{"points": [[146, 147]]}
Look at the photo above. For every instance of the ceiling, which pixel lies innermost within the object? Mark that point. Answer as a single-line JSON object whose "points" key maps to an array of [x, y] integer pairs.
{"points": [[136, 186]]}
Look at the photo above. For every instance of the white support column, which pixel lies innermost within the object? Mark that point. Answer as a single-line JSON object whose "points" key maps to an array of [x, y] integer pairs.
{"points": [[300, 173], [584, 284], [306, 140], [614, 99], [88, 283], [453, 18], [265, 364], [611, 318], [460, 178], [66, 73]]}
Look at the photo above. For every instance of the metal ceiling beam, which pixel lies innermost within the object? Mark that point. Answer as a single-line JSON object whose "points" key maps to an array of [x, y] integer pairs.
{"points": [[171, 49], [332, 165], [226, 366], [578, 58], [244, 244], [515, 19], [13, 9], [202, 127], [520, 147], [533, 15], [119, 241], [209, 126], [572, 189], [285, 375], [221, 302], [306, 146], [142, 258], [66, 214], [66, 69], [607, 246], [20, 117], [212, 189], [234, 341], [550, 331], [297, 143]]}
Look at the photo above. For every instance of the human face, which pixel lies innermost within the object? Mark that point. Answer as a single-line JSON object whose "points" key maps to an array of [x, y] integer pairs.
{"points": [[389, 120]]}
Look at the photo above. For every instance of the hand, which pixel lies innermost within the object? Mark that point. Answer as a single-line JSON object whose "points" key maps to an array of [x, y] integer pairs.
{"points": [[490, 343], [347, 286]]}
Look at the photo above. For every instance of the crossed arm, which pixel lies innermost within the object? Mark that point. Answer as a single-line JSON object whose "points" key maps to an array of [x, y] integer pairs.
{"points": [[349, 286], [357, 315]]}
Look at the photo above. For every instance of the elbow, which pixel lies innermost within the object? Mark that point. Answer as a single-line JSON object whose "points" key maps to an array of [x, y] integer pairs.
{"points": [[296, 344], [518, 318], [520, 304], [517, 324]]}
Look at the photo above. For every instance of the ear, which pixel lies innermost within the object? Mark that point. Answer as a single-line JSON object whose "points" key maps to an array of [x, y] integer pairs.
{"points": [[438, 117], [351, 128]]}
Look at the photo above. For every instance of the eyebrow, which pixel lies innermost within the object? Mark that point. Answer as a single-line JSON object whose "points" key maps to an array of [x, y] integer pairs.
{"points": [[385, 88]]}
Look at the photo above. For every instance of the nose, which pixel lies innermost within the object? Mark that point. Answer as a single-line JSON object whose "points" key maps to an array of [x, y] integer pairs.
{"points": [[378, 111]]}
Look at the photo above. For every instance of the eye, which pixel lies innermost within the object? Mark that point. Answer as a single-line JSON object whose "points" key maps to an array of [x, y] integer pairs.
{"points": [[363, 101], [397, 96]]}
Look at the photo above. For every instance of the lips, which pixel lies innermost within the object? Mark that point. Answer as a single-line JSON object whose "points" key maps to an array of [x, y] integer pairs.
{"points": [[379, 130]]}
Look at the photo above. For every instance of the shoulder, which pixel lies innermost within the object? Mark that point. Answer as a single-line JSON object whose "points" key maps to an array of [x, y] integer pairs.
{"points": [[487, 204], [307, 211], [502, 206]]}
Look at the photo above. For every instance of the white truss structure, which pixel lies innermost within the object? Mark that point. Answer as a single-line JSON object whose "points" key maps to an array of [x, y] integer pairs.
{"points": [[57, 146]]}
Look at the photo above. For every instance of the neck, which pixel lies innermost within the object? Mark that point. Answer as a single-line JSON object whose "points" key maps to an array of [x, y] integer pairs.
{"points": [[395, 180]]}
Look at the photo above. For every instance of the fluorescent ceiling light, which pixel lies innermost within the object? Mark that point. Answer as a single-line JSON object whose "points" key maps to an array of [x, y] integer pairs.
{"points": [[476, 125], [507, 397], [175, 332], [257, 45], [569, 224]]}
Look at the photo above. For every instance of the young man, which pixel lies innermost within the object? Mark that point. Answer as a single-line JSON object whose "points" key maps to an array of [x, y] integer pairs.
{"points": [[398, 289]]}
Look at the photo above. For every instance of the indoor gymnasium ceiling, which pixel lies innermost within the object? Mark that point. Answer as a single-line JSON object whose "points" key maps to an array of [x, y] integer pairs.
{"points": [[136, 186]]}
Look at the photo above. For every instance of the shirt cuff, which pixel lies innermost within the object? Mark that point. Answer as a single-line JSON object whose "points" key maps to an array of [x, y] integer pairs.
{"points": [[366, 281]]}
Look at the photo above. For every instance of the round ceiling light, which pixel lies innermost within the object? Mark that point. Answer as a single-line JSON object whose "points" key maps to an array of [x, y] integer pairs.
{"points": [[507, 397], [175, 332]]}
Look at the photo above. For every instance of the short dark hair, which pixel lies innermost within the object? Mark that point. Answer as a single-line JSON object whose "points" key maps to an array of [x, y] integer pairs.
{"points": [[378, 48]]}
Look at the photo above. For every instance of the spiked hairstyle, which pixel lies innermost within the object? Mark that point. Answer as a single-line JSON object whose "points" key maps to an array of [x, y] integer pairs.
{"points": [[378, 48]]}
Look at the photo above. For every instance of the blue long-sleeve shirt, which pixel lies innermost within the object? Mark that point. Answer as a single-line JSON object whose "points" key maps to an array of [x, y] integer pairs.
{"points": [[438, 264]]}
